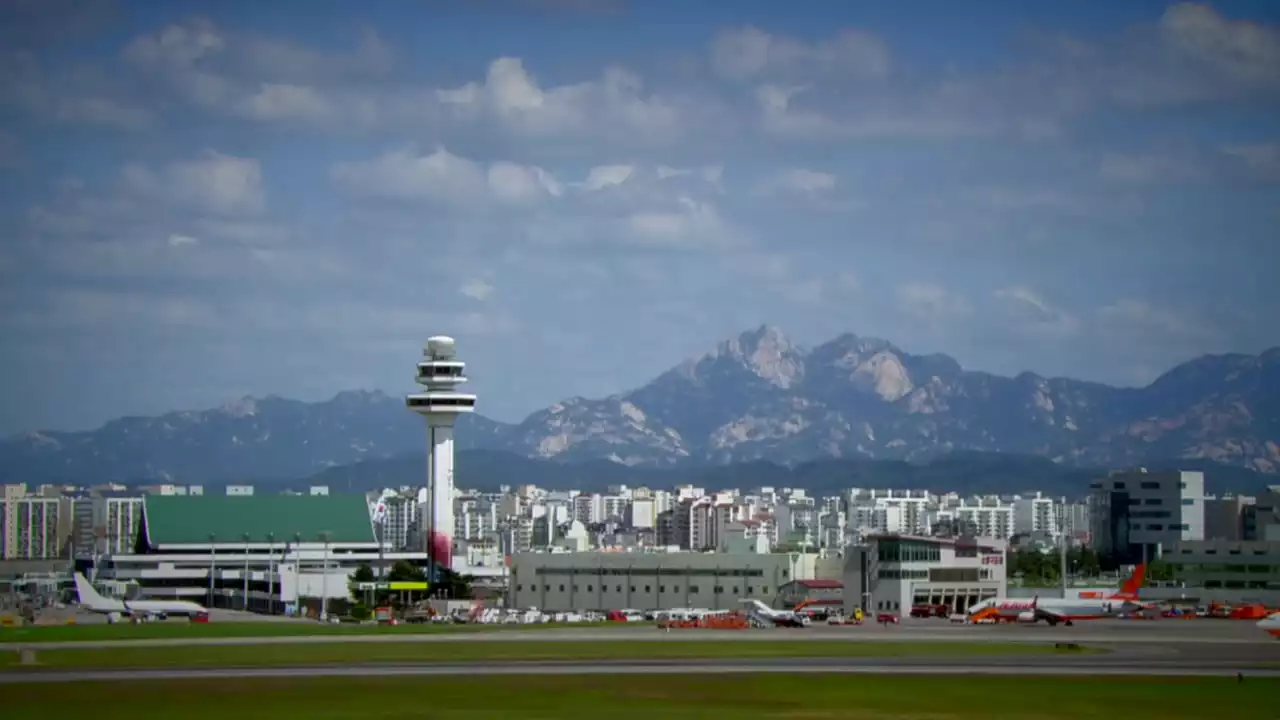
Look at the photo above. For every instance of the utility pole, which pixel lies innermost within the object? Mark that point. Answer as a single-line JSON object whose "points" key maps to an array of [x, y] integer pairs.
{"points": [[213, 565], [324, 579], [244, 602], [271, 573]]}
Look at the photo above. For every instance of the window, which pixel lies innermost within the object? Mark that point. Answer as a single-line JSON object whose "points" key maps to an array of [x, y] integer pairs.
{"points": [[735, 589], [748, 589], [633, 588], [519, 588], [561, 588], [1149, 485], [1153, 501], [693, 588], [588, 588], [648, 588], [1188, 501], [662, 588], [619, 588], [575, 588]]}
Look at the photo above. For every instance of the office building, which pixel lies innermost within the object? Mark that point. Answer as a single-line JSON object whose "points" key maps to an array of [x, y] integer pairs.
{"points": [[1134, 514]]}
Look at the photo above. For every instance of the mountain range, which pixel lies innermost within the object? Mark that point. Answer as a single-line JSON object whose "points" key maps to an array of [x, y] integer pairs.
{"points": [[757, 397]]}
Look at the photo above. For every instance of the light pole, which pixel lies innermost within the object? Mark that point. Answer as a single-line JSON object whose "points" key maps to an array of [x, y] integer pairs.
{"points": [[213, 565], [244, 602], [271, 573], [324, 579]]}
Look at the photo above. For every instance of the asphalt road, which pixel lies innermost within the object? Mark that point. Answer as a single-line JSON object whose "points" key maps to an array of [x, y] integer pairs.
{"points": [[1105, 632], [1010, 666], [1172, 648]]}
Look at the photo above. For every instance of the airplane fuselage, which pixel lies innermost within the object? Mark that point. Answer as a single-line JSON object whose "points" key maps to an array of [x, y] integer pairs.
{"points": [[1051, 610]]}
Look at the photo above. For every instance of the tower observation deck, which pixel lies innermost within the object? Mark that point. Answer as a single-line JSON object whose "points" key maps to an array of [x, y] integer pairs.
{"points": [[440, 373]]}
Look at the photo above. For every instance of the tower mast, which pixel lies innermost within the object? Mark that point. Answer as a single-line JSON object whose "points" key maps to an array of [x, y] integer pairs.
{"points": [[439, 374]]}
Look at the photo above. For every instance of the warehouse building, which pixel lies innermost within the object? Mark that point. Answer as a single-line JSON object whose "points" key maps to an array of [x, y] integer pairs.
{"points": [[891, 573], [603, 581], [1221, 564]]}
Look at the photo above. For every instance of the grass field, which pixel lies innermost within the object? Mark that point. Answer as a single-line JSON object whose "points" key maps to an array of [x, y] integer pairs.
{"points": [[670, 697], [173, 629], [357, 653]]}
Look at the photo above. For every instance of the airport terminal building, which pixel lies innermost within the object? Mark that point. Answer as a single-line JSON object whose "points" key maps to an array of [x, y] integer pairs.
{"points": [[254, 552], [890, 573]]}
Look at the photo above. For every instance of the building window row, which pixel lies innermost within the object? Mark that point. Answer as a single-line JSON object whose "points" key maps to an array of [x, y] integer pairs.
{"points": [[898, 574], [662, 589], [672, 572]]}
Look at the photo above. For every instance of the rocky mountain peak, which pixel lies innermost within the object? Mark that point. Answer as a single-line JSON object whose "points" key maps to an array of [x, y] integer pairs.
{"points": [[764, 351]]}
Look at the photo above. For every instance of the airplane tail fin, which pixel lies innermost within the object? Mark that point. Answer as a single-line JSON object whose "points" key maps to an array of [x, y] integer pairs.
{"points": [[1129, 590], [85, 592]]}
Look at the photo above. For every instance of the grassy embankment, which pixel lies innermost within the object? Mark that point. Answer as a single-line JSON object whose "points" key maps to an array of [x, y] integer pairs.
{"points": [[670, 697], [312, 654]]}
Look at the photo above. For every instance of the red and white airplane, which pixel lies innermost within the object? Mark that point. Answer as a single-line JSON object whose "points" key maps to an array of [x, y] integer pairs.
{"points": [[1271, 624], [1063, 610]]}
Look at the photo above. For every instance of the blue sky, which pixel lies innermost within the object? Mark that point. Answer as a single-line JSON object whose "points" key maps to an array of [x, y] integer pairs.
{"points": [[207, 200]]}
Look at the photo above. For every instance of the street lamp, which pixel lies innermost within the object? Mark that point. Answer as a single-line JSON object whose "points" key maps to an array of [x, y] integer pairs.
{"points": [[271, 573], [244, 602], [324, 578], [213, 565]]}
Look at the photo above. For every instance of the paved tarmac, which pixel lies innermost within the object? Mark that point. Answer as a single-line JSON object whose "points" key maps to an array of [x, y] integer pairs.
{"points": [[1168, 648], [1024, 666], [1153, 632]]}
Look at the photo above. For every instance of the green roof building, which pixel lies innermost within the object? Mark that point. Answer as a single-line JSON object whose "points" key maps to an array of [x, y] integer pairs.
{"points": [[200, 522]]}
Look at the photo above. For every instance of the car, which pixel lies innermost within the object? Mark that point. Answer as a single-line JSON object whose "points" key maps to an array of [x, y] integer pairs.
{"points": [[887, 619]]}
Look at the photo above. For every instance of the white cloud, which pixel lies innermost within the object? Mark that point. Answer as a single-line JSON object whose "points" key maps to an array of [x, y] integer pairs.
{"points": [[930, 302], [215, 183], [407, 175], [1034, 315], [477, 289], [749, 53], [800, 181], [615, 103]]}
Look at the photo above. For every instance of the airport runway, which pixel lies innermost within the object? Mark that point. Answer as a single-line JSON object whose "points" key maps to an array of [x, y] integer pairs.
{"points": [[1105, 632], [918, 666]]}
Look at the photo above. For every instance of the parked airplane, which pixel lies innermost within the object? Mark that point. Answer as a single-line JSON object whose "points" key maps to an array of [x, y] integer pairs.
{"points": [[115, 610], [779, 618], [1063, 610], [1271, 624]]}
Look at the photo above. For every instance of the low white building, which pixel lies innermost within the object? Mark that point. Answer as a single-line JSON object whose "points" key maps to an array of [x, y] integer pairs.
{"points": [[890, 573], [603, 581]]}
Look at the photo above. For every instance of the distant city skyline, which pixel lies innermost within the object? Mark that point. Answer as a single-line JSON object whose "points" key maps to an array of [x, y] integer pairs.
{"points": [[203, 201]]}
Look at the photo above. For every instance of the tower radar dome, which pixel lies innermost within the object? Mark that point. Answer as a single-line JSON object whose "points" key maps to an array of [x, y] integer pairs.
{"points": [[441, 347]]}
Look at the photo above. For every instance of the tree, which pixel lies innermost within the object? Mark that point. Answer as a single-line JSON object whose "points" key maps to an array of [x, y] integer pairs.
{"points": [[405, 571], [451, 585]]}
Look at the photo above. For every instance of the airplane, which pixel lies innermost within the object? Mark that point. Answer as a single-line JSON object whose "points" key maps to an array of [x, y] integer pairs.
{"points": [[779, 618], [1271, 624], [115, 610], [1064, 610]]}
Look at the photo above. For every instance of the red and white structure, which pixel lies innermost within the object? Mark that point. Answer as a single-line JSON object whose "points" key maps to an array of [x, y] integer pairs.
{"points": [[439, 374]]}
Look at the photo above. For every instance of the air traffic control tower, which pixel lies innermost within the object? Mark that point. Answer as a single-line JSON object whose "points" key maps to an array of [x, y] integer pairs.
{"points": [[439, 374]]}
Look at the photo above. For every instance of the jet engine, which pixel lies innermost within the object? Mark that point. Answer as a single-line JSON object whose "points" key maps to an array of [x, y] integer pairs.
{"points": [[113, 618], [1027, 616]]}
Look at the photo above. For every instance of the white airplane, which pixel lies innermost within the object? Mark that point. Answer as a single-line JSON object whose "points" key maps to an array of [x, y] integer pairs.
{"points": [[779, 618], [1063, 610], [115, 610], [1271, 624]]}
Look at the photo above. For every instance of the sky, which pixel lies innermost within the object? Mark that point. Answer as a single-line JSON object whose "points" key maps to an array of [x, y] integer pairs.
{"points": [[201, 201]]}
